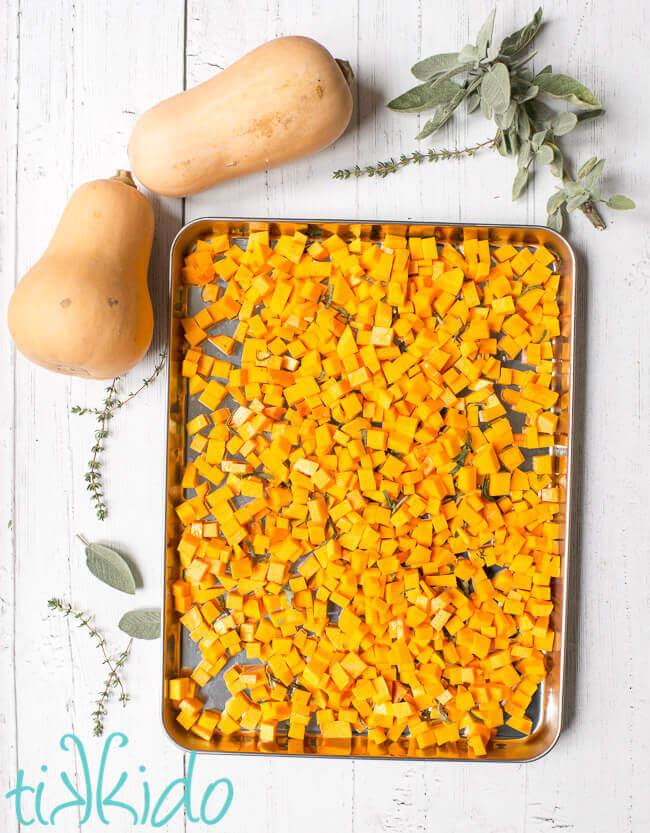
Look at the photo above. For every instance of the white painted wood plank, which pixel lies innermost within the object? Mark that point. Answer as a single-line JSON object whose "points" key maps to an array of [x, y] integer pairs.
{"points": [[78, 101], [9, 58], [43, 650], [597, 775], [126, 59]]}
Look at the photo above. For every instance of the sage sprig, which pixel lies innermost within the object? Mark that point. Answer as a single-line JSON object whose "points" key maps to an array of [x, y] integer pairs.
{"points": [[583, 193], [498, 80]]}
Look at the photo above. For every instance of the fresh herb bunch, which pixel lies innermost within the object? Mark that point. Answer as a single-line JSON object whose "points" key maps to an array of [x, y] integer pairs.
{"points": [[93, 476], [113, 679], [498, 81]]}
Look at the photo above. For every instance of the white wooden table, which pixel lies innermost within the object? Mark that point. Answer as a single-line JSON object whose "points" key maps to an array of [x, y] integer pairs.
{"points": [[73, 78]]}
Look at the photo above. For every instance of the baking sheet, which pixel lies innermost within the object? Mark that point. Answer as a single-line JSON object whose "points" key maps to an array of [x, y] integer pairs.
{"points": [[179, 651]]}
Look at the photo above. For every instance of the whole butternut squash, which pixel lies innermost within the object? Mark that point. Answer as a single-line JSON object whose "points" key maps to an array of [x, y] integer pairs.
{"points": [[84, 308], [286, 99]]}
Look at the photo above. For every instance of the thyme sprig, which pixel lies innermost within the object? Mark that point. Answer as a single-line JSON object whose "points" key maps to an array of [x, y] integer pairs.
{"points": [[113, 679], [116, 404], [111, 682], [391, 166], [93, 477]]}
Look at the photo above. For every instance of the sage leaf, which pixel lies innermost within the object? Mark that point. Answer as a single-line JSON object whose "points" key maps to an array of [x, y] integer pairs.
{"points": [[528, 94], [555, 201], [513, 140], [445, 112], [545, 155], [516, 65], [573, 188], [538, 111], [468, 54], [495, 88], [486, 110], [525, 155], [484, 37], [556, 167], [523, 125], [587, 167], [109, 566], [621, 202], [424, 96], [502, 143], [564, 123], [547, 68], [440, 118], [473, 101], [142, 624], [520, 39], [520, 182], [555, 221], [576, 201], [589, 115], [429, 68], [563, 86], [492, 52], [593, 177], [538, 139], [504, 120]]}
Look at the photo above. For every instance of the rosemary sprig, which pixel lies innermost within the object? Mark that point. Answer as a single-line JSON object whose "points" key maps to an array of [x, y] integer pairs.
{"points": [[114, 665], [391, 166], [93, 476]]}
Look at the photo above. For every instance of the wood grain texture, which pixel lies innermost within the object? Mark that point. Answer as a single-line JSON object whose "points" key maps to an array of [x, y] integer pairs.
{"points": [[9, 102], [73, 79]]}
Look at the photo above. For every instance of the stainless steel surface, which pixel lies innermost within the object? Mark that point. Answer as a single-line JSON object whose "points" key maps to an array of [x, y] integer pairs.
{"points": [[546, 707]]}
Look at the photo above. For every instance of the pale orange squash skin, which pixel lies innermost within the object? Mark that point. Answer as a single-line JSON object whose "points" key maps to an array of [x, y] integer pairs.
{"points": [[84, 308], [286, 99]]}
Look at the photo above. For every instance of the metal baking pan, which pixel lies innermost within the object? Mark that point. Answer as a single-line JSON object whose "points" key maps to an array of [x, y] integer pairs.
{"points": [[179, 652]]}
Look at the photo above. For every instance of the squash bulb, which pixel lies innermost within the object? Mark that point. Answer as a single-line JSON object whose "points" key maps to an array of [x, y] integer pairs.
{"points": [[84, 308]]}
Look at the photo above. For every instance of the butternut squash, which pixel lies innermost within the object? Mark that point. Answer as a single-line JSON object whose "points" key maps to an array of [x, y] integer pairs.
{"points": [[286, 99], [84, 308]]}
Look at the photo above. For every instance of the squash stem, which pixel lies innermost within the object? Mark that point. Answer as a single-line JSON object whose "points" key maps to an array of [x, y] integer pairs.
{"points": [[125, 178], [346, 69]]}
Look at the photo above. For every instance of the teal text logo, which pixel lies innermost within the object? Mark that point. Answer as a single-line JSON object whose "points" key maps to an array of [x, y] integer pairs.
{"points": [[111, 800]]}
